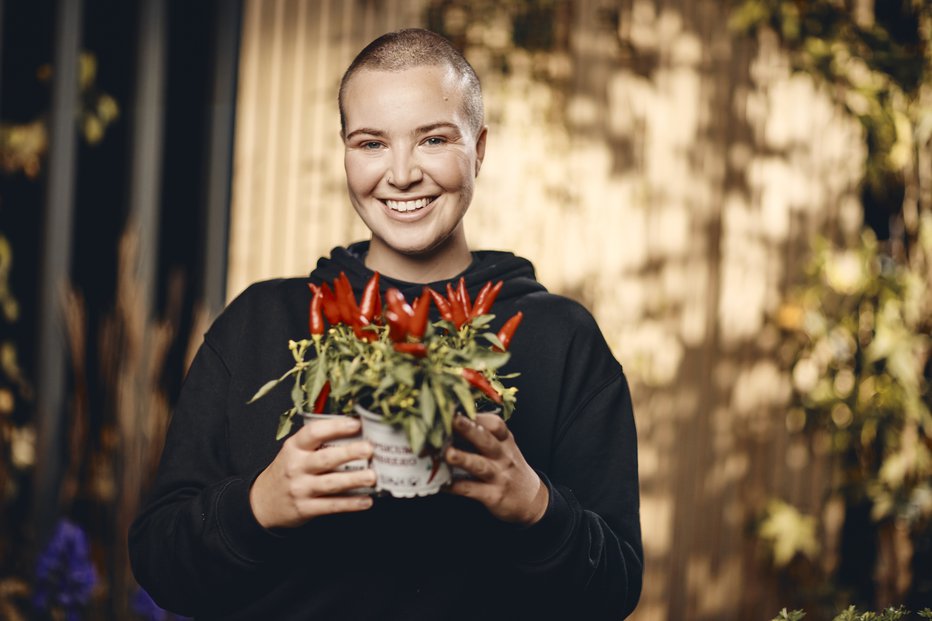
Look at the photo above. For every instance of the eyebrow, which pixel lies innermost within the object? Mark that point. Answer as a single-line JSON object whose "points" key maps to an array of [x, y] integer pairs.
{"points": [[424, 129]]}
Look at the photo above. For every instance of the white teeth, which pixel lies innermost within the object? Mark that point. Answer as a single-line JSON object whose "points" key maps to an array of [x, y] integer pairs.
{"points": [[408, 205]]}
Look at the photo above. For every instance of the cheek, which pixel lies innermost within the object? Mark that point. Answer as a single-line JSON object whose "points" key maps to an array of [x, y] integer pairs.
{"points": [[362, 173], [453, 172]]}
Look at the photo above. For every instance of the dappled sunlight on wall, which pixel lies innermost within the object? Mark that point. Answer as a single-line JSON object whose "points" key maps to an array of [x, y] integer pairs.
{"points": [[660, 171]]}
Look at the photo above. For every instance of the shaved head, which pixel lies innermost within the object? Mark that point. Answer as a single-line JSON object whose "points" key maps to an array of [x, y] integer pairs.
{"points": [[416, 47]]}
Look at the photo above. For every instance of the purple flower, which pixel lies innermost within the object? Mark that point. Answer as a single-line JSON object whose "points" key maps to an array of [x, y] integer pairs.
{"points": [[145, 607], [65, 576]]}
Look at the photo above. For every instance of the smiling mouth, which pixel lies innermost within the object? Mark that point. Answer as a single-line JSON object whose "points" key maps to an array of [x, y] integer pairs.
{"points": [[406, 206]]}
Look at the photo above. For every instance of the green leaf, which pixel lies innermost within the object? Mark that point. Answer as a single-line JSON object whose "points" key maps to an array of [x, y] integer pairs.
{"points": [[272, 384], [284, 424], [428, 407], [489, 360], [493, 339], [437, 437], [446, 412], [416, 433], [317, 379], [466, 400], [264, 390], [482, 321], [297, 393], [404, 374]]}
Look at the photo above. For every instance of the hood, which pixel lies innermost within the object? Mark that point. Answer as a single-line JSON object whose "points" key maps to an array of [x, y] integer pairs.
{"points": [[515, 271]]}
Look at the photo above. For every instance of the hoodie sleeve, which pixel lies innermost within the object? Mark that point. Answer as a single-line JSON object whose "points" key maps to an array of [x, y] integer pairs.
{"points": [[588, 544], [197, 544]]}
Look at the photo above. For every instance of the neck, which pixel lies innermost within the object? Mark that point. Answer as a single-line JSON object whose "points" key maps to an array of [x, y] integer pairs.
{"points": [[444, 262]]}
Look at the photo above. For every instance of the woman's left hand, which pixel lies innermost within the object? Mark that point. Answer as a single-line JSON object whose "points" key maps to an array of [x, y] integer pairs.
{"points": [[504, 482]]}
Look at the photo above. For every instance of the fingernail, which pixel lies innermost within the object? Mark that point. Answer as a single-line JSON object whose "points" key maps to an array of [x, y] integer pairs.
{"points": [[365, 501], [350, 423]]}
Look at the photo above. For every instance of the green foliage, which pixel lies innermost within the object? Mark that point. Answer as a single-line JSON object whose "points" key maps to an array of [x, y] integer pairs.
{"points": [[859, 336], [877, 64], [793, 615], [422, 395], [851, 613], [788, 533]]}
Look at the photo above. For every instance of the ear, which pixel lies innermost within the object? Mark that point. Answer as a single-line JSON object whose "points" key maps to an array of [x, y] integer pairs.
{"points": [[480, 147]]}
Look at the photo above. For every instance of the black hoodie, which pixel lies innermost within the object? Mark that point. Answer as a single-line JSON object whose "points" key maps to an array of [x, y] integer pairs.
{"points": [[198, 550]]}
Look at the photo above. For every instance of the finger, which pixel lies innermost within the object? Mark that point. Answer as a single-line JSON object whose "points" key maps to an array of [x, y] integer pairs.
{"points": [[339, 483], [478, 466], [317, 432], [334, 504], [329, 458], [479, 436], [468, 489], [495, 425]]}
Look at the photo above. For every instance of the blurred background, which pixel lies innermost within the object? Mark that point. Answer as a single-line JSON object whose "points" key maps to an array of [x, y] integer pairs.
{"points": [[741, 192]]}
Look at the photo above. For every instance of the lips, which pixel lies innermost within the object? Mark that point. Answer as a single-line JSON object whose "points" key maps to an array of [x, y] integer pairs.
{"points": [[410, 205]]}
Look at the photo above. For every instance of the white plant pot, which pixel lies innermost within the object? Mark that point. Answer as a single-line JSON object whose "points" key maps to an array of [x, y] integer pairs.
{"points": [[350, 466], [398, 470]]}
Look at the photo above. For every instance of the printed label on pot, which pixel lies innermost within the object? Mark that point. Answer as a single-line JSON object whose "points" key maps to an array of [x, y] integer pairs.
{"points": [[398, 470]]}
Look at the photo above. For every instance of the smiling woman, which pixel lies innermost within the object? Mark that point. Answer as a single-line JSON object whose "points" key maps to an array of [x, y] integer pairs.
{"points": [[411, 182], [262, 529]]}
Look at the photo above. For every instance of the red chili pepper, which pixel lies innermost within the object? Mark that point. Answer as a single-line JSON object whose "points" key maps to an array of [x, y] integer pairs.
{"points": [[315, 319], [331, 307], [464, 297], [321, 401], [508, 330], [418, 350], [346, 301], [397, 326], [368, 306], [350, 298], [396, 301], [363, 335], [479, 381], [486, 298], [418, 324], [456, 307], [443, 305]]}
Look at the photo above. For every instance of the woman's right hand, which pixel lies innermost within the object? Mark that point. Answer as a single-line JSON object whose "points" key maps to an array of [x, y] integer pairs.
{"points": [[300, 483]]}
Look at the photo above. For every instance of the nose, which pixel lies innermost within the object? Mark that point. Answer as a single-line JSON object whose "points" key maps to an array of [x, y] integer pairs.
{"points": [[405, 170]]}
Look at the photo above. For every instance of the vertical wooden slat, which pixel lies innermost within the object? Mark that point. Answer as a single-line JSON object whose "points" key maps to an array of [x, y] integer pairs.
{"points": [[55, 272], [220, 154], [242, 226], [147, 139], [293, 234]]}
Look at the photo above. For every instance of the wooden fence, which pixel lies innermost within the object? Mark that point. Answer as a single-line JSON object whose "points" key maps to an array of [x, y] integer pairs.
{"points": [[661, 170]]}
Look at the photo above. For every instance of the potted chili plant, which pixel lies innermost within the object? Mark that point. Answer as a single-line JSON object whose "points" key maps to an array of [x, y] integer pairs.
{"points": [[405, 376]]}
